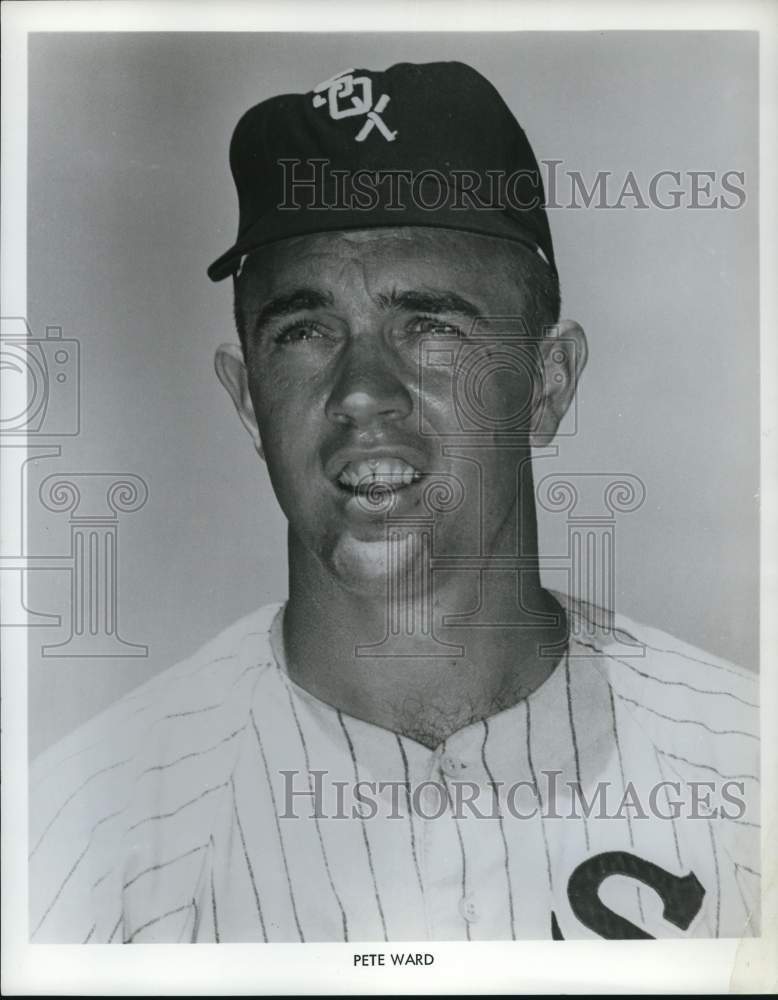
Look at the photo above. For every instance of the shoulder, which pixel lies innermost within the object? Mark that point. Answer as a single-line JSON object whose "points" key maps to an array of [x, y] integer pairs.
{"points": [[700, 711], [167, 743], [238, 650], [657, 656]]}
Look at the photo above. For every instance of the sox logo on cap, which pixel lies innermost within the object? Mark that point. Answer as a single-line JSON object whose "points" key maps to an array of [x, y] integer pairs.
{"points": [[360, 90]]}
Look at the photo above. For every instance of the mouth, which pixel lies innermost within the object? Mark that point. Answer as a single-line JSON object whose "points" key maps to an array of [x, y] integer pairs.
{"points": [[371, 474]]}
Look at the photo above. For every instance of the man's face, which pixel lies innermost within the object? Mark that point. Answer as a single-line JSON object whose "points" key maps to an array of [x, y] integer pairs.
{"points": [[352, 410]]}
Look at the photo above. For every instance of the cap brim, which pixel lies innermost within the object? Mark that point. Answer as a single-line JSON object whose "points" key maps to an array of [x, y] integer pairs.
{"points": [[281, 225]]}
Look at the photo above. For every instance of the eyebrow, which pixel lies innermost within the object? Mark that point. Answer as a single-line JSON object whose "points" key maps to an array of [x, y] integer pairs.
{"points": [[431, 302], [297, 300]]}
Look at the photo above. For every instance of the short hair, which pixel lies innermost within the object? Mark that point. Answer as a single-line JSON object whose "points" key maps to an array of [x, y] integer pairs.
{"points": [[538, 283]]}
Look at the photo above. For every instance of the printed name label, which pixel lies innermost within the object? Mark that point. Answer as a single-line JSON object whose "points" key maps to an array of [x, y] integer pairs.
{"points": [[395, 958]]}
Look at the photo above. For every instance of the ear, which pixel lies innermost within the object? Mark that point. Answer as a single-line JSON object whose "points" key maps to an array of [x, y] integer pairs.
{"points": [[563, 352], [231, 371]]}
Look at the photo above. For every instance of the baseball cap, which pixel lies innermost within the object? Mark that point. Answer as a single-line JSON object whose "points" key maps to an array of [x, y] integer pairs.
{"points": [[430, 144]]}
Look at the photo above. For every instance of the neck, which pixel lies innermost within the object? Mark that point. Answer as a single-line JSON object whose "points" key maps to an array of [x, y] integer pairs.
{"points": [[401, 664]]}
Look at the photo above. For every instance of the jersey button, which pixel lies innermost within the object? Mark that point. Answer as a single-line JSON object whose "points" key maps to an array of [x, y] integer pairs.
{"points": [[468, 909], [452, 766]]}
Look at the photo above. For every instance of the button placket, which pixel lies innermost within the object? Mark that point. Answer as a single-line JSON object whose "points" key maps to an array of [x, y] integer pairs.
{"points": [[435, 847]]}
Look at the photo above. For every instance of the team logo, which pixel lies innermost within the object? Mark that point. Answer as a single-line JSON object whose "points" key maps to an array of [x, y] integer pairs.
{"points": [[681, 895], [348, 96]]}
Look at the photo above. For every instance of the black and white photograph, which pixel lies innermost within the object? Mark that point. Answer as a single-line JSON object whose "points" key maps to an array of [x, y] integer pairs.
{"points": [[382, 485]]}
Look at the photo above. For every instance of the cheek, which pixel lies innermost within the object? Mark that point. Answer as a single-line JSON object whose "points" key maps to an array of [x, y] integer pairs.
{"points": [[436, 401], [276, 399], [507, 397], [488, 394], [288, 421]]}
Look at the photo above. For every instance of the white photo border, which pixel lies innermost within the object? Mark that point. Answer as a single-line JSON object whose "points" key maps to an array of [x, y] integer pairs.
{"points": [[521, 967]]}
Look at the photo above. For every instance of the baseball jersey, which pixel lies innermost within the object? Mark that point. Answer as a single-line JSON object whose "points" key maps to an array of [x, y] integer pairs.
{"points": [[221, 802]]}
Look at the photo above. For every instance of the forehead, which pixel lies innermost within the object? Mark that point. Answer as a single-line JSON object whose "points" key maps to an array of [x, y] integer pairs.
{"points": [[384, 259]]}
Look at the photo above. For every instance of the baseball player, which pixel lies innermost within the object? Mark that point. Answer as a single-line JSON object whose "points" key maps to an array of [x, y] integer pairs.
{"points": [[423, 742]]}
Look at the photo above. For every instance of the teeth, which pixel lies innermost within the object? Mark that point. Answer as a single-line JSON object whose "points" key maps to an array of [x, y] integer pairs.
{"points": [[390, 471]]}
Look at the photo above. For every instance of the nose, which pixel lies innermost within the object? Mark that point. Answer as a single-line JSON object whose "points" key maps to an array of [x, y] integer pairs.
{"points": [[367, 390]]}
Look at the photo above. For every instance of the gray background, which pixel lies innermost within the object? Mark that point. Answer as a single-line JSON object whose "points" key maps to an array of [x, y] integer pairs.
{"points": [[130, 198]]}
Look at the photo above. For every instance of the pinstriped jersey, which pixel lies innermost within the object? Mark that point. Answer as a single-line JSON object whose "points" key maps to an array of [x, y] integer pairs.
{"points": [[221, 802]]}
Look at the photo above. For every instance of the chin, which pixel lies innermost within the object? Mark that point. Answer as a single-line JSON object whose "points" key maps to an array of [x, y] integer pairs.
{"points": [[364, 565]]}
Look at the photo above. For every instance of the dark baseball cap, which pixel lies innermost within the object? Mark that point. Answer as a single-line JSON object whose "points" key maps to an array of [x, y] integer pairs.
{"points": [[429, 144]]}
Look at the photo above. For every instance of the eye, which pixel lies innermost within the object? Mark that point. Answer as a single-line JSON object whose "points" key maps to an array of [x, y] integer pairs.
{"points": [[299, 330], [434, 326]]}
